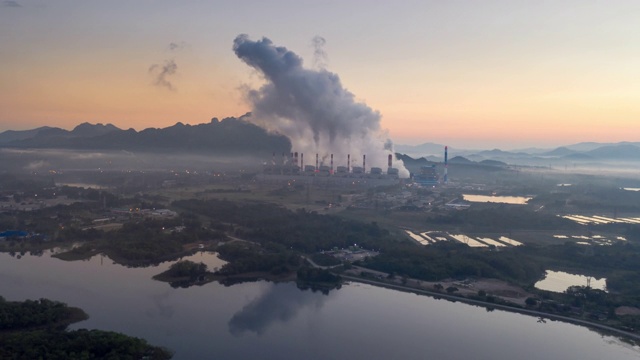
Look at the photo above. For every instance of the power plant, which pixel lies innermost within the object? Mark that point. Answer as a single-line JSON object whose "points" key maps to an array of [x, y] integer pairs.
{"points": [[428, 175], [293, 167]]}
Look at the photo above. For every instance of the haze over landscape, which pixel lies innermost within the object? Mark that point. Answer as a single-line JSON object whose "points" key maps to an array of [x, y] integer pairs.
{"points": [[483, 75], [319, 180]]}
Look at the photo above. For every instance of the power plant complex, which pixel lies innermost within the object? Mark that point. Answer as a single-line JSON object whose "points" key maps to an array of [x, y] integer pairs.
{"points": [[295, 165]]}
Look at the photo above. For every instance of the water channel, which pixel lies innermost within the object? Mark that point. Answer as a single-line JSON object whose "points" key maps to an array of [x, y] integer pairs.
{"points": [[278, 321]]}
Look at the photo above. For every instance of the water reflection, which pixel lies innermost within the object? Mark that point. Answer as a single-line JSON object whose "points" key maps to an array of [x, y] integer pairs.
{"points": [[262, 320], [161, 307], [279, 303]]}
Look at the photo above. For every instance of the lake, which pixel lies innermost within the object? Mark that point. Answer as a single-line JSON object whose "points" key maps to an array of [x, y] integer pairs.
{"points": [[518, 200], [278, 321], [559, 281]]}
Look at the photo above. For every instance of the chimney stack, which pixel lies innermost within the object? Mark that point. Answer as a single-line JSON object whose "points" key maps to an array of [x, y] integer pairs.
{"points": [[331, 172], [446, 164]]}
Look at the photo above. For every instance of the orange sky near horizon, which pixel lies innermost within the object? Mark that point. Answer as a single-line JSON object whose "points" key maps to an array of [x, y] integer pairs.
{"points": [[490, 75]]}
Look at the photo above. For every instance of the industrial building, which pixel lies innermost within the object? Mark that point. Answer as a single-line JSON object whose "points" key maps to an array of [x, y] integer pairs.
{"points": [[294, 166]]}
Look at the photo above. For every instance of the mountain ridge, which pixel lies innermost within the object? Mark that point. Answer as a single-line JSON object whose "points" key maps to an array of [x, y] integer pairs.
{"points": [[228, 136]]}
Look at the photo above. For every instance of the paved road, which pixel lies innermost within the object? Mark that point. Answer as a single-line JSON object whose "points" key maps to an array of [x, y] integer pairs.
{"points": [[496, 306], [539, 314]]}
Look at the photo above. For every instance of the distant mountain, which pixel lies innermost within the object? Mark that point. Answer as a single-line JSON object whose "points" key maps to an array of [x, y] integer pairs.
{"points": [[89, 130], [561, 151], [577, 157], [229, 136], [413, 162], [619, 152], [16, 135], [460, 160], [494, 153], [530, 150], [493, 163], [421, 150], [588, 146]]}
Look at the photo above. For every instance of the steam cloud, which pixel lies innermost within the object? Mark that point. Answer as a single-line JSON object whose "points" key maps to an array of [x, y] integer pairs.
{"points": [[162, 72], [312, 107]]}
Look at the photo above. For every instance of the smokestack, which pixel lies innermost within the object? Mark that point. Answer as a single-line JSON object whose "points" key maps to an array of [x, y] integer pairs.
{"points": [[301, 161], [331, 172], [295, 159], [317, 162], [390, 160], [348, 162], [446, 164], [364, 163]]}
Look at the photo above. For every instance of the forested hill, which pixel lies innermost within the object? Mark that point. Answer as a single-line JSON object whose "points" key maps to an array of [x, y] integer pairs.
{"points": [[228, 136]]}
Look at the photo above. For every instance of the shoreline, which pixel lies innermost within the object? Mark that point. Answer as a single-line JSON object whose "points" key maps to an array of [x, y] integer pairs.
{"points": [[484, 304]]}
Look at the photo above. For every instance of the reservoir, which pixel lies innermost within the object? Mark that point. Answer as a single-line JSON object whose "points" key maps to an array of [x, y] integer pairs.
{"points": [[559, 281], [517, 200], [278, 321]]}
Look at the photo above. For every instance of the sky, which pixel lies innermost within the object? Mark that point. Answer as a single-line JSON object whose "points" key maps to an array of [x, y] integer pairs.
{"points": [[469, 74]]}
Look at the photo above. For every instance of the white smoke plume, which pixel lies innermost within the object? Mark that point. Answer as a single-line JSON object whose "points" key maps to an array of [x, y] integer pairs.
{"points": [[312, 108]]}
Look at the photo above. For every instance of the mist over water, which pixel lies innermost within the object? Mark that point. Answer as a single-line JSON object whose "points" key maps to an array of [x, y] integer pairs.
{"points": [[312, 108]]}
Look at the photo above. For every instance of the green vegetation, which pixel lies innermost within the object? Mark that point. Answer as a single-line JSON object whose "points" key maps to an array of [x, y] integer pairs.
{"points": [[325, 259], [186, 268], [139, 243], [299, 230], [185, 273], [263, 239], [317, 279], [78, 344], [454, 260], [244, 257], [501, 217], [36, 330], [36, 314]]}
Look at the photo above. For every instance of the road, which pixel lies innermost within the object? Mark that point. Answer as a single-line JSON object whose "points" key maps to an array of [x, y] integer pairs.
{"points": [[535, 313]]}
